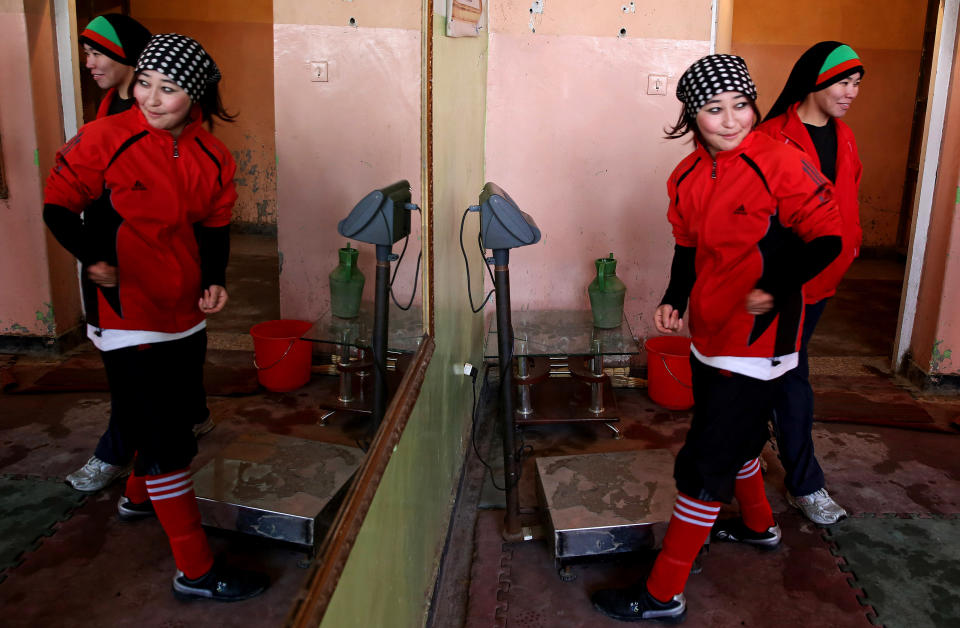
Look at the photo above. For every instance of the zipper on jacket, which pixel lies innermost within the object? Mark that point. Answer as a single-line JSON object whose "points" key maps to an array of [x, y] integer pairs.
{"points": [[713, 173], [176, 150]]}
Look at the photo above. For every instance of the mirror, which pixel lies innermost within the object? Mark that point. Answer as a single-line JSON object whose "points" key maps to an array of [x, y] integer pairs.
{"points": [[329, 105]]}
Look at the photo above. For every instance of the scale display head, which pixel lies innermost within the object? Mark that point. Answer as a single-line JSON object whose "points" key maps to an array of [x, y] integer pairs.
{"points": [[382, 217], [502, 224]]}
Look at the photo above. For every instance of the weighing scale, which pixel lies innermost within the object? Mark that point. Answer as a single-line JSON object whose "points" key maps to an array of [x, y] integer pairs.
{"points": [[606, 503], [274, 486]]}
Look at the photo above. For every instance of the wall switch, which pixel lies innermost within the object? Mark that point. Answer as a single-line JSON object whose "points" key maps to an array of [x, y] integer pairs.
{"points": [[657, 84], [319, 72]]}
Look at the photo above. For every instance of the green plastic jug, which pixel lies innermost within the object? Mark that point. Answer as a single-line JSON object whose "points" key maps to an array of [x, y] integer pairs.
{"points": [[606, 294], [346, 285]]}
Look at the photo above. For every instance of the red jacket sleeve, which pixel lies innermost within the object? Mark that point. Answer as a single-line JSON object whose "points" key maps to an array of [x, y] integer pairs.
{"points": [[76, 178], [806, 197], [679, 222], [225, 198]]}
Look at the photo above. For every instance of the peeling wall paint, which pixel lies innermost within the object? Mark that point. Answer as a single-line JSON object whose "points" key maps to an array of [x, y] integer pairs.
{"points": [[938, 357]]}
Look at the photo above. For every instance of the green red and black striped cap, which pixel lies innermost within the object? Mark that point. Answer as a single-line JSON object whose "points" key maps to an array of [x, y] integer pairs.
{"points": [[839, 64], [118, 36], [822, 65]]}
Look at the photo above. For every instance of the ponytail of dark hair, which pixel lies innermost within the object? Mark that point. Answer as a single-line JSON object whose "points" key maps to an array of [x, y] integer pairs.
{"points": [[211, 106], [686, 123]]}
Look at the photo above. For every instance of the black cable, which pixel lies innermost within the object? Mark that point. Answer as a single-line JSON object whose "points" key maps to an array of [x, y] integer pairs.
{"points": [[466, 264], [416, 274], [473, 433], [519, 454], [396, 268]]}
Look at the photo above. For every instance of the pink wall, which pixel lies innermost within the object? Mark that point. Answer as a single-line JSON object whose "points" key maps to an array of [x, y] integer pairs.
{"points": [[338, 140], [574, 138], [39, 296]]}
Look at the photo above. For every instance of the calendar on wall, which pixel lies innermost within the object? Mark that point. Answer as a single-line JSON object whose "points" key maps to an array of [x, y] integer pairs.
{"points": [[465, 18]]}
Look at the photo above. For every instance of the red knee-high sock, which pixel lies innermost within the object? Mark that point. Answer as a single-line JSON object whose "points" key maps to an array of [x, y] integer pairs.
{"points": [[136, 490], [176, 506], [754, 507], [688, 529]]}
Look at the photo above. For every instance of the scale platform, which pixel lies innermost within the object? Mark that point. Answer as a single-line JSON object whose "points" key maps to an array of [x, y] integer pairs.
{"points": [[608, 503], [273, 486]]}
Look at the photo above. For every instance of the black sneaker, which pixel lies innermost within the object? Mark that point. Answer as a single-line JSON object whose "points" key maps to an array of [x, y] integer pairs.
{"points": [[221, 583], [735, 530], [129, 511], [636, 604]]}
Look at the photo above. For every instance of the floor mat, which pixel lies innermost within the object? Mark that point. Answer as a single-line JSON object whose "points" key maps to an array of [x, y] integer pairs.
{"points": [[225, 373], [869, 400], [907, 568], [517, 584], [29, 508]]}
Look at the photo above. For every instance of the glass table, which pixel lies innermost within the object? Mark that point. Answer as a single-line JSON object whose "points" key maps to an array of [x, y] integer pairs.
{"points": [[352, 339], [550, 344]]}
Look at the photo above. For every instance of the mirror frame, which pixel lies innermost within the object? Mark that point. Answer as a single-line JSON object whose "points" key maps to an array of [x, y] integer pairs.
{"points": [[311, 603]]}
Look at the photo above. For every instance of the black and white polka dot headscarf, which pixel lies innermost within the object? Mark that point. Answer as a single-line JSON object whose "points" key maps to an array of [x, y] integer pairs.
{"points": [[182, 60], [712, 75]]}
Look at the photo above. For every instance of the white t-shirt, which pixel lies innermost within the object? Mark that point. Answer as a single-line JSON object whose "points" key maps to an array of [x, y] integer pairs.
{"points": [[757, 368], [111, 339]]}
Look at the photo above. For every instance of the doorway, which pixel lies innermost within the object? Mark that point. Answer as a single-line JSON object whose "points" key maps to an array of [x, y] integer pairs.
{"points": [[888, 120]]}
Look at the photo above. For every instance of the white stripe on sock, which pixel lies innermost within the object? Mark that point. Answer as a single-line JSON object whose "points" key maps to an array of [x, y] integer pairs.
{"points": [[155, 498], [678, 509], [159, 489], [749, 469], [703, 524], [169, 478], [700, 506]]}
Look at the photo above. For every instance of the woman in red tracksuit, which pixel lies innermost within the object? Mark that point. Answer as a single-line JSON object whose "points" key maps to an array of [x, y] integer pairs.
{"points": [[807, 115], [752, 222], [156, 192]]}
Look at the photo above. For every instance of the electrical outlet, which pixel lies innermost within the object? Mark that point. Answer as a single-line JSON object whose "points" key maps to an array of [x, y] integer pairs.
{"points": [[319, 72], [657, 84]]}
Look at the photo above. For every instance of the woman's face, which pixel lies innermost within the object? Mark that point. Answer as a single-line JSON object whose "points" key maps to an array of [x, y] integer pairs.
{"points": [[164, 103], [835, 100], [725, 120], [105, 71]]}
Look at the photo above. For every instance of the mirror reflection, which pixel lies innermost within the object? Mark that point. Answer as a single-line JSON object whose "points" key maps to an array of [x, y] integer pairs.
{"points": [[303, 333]]}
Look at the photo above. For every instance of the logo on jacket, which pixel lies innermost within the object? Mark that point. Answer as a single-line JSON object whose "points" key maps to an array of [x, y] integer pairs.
{"points": [[740, 211], [138, 186]]}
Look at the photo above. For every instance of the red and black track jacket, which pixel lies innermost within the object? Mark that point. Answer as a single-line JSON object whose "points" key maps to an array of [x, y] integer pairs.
{"points": [[789, 129], [103, 110], [747, 214], [147, 199]]}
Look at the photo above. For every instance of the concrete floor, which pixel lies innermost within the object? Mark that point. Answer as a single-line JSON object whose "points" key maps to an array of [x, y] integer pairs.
{"points": [[91, 569], [873, 471]]}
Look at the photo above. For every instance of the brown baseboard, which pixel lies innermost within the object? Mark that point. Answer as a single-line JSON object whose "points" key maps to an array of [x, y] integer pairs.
{"points": [[946, 384], [43, 345]]}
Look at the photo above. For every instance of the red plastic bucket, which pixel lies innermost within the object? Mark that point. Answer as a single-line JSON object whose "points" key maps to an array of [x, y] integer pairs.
{"points": [[668, 372], [281, 357]]}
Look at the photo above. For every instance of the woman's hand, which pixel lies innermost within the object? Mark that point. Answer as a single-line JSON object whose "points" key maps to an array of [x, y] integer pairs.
{"points": [[759, 302], [667, 319], [213, 299], [103, 274]]}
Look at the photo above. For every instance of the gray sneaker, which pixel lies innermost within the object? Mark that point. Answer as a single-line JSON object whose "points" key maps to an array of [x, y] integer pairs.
{"points": [[94, 475], [818, 507]]}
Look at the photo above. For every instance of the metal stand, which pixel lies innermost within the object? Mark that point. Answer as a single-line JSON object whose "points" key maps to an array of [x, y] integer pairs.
{"points": [[501, 276], [381, 316]]}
